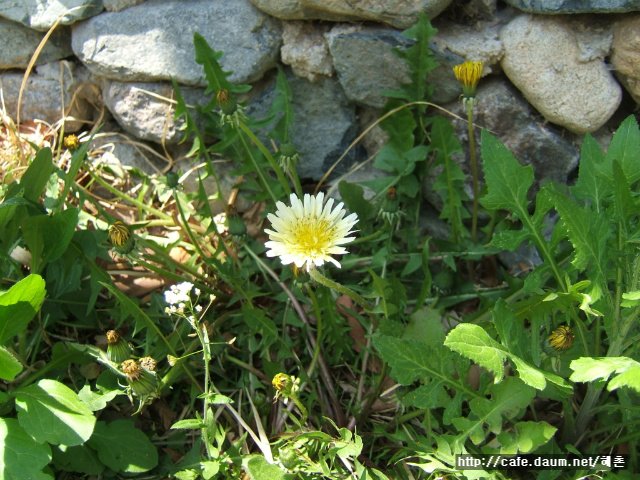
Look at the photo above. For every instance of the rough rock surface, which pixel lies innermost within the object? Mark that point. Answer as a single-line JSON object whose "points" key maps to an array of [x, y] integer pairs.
{"points": [[305, 49], [500, 108], [19, 43], [324, 124], [41, 99], [154, 41], [544, 61], [626, 54], [43, 14], [146, 111], [575, 6], [397, 13], [364, 62]]}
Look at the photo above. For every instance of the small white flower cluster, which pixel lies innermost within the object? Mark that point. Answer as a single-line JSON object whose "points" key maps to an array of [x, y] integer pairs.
{"points": [[177, 297]]}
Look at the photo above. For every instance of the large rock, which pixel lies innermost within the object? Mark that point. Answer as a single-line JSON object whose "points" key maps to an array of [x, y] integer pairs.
{"points": [[324, 124], [565, 83], [575, 6], [18, 44], [154, 41], [365, 63], [626, 54], [43, 14], [146, 110], [500, 108], [305, 49], [397, 13], [43, 93]]}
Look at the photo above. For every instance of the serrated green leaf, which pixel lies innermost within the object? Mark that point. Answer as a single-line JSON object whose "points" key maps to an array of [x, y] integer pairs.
{"points": [[281, 108], [588, 232], [49, 236], [507, 181], [526, 438], [51, 412], [625, 148], [472, 341], [589, 369], [260, 323], [216, 77], [20, 455], [590, 186], [9, 365], [419, 58], [624, 206], [123, 448], [508, 398]]}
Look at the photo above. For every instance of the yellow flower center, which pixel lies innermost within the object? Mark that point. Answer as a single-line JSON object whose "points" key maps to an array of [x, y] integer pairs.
{"points": [[312, 235]]}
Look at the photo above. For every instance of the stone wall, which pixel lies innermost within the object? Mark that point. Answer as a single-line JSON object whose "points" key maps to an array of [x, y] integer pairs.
{"points": [[553, 70]]}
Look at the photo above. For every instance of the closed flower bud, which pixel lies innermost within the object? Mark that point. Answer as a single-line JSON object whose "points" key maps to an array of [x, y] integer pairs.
{"points": [[560, 339], [468, 74], [118, 349], [142, 381], [237, 227], [121, 238], [227, 101], [390, 208]]}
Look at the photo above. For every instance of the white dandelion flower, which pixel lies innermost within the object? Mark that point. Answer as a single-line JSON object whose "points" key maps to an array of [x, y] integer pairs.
{"points": [[308, 233]]}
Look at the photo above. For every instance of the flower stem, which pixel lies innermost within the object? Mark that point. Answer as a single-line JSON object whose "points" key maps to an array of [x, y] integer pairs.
{"points": [[318, 277], [474, 172]]}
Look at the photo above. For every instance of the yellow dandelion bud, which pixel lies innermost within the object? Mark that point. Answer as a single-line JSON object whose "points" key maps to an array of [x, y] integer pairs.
{"points": [[71, 142], [121, 238], [142, 381], [131, 369], [561, 338], [280, 381], [468, 74]]}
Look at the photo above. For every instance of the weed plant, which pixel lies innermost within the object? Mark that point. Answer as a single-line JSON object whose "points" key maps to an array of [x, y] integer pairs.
{"points": [[306, 338]]}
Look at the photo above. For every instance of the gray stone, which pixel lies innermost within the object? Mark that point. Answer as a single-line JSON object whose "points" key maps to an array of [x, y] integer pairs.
{"points": [[41, 98], [501, 109], [363, 59], [575, 6], [305, 49], [544, 61], [324, 124], [146, 110], [121, 152], [18, 44], [43, 14], [626, 54], [397, 13], [154, 41], [117, 5]]}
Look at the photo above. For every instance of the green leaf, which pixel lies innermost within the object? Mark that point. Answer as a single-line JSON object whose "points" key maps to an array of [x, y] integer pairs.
{"points": [[216, 77], [589, 369], [508, 398], [9, 365], [353, 197], [282, 108], [20, 455], [96, 400], [79, 458], [590, 186], [260, 469], [507, 181], [399, 126], [123, 448], [49, 236], [588, 232], [625, 148], [19, 305], [526, 438], [188, 424], [419, 58], [35, 179], [52, 412], [624, 206], [472, 341], [260, 323]]}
